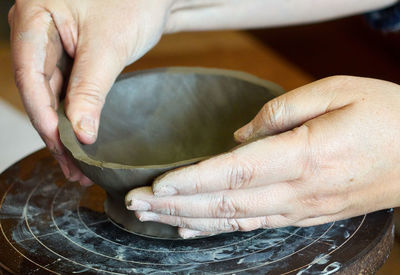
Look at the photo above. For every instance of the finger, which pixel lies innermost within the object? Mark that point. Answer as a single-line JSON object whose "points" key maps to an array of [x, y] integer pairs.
{"points": [[35, 50], [85, 181], [189, 233], [56, 83], [201, 226], [294, 108], [95, 68], [269, 200], [274, 159], [34, 61]]}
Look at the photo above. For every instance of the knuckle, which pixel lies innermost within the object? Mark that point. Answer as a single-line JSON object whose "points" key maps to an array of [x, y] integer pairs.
{"points": [[58, 153], [224, 207], [274, 113], [265, 223], [180, 222], [245, 225], [88, 91], [334, 205], [316, 205], [309, 163], [37, 125], [336, 84], [229, 225], [277, 221], [268, 223], [42, 127], [198, 182], [240, 173], [234, 224], [170, 209], [19, 76], [312, 202]]}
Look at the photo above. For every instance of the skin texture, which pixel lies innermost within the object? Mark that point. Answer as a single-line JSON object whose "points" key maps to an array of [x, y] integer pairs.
{"points": [[326, 151], [77, 49], [239, 14], [59, 45], [47, 35]]}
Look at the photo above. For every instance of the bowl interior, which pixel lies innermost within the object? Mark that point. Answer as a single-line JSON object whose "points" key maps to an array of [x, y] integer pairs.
{"points": [[160, 118]]}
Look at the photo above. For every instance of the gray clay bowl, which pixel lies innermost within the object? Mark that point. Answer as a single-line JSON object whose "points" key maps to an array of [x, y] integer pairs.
{"points": [[157, 120]]}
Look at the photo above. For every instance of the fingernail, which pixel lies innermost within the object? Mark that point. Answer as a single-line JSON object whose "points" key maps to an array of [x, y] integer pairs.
{"points": [[149, 216], [243, 133], [138, 205], [189, 233], [165, 191], [88, 126]]}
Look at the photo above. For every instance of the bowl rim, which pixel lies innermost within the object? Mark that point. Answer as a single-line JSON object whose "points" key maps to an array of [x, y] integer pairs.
{"points": [[71, 143]]}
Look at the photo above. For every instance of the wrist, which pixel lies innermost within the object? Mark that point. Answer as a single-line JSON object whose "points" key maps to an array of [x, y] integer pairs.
{"points": [[173, 24], [194, 15]]}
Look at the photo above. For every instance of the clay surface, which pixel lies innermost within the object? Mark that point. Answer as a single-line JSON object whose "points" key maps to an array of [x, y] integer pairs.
{"points": [[157, 120]]}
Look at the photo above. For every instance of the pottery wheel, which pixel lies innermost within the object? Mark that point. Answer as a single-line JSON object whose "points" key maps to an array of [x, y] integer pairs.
{"points": [[48, 225]]}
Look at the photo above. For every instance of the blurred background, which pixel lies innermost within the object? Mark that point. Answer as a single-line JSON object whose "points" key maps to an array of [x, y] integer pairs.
{"points": [[291, 57]]}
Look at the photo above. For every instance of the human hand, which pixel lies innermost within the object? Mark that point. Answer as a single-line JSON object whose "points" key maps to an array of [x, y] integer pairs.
{"points": [[326, 151], [101, 36]]}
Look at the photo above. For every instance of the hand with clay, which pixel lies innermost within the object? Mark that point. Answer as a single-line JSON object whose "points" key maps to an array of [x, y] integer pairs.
{"points": [[326, 151], [101, 36], [341, 160]]}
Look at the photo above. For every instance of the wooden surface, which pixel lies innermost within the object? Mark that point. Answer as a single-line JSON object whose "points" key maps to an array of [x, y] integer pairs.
{"points": [[290, 56]]}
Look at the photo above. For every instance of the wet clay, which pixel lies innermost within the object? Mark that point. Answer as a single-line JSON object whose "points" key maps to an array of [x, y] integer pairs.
{"points": [[157, 120]]}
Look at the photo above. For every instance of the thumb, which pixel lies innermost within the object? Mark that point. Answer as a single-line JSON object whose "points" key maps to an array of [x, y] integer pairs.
{"points": [[293, 109], [94, 71]]}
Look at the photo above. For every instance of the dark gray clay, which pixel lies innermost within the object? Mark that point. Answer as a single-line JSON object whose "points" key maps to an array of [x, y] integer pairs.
{"points": [[157, 120]]}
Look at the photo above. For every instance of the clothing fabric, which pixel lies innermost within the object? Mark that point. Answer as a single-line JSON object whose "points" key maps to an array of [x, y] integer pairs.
{"points": [[386, 20]]}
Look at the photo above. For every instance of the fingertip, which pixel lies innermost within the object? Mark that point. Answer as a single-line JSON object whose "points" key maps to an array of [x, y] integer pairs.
{"points": [[74, 178], [147, 216], [129, 197], [85, 181], [186, 233], [137, 193], [162, 188], [244, 133]]}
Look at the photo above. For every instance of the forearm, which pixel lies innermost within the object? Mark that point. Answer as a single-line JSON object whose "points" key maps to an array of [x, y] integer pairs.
{"points": [[190, 15]]}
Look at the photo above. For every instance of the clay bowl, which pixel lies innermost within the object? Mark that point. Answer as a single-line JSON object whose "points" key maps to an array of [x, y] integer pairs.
{"points": [[157, 120]]}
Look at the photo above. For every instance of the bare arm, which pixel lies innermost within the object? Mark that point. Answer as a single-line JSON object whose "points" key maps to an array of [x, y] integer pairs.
{"points": [[189, 15]]}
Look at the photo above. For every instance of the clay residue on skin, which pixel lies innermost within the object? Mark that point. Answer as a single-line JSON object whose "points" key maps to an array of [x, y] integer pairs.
{"points": [[129, 203]]}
